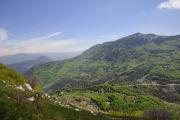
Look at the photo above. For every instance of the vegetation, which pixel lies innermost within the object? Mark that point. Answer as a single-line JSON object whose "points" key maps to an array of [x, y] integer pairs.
{"points": [[124, 101], [138, 57], [15, 106], [122, 78], [10, 76], [15, 103]]}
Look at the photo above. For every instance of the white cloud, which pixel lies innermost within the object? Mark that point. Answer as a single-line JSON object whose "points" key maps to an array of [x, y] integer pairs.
{"points": [[3, 34], [45, 37], [170, 4], [40, 45]]}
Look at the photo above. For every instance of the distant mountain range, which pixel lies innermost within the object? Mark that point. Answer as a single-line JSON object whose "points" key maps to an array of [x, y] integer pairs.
{"points": [[145, 58], [22, 67], [21, 57]]}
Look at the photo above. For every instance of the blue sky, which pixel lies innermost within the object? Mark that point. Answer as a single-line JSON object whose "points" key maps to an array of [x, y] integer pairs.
{"points": [[36, 26]]}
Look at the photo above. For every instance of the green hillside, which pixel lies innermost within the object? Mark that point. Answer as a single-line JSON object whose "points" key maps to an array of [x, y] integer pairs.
{"points": [[10, 76], [14, 103], [138, 57]]}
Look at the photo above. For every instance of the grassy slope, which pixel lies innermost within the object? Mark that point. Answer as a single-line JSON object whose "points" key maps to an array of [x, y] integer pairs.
{"points": [[11, 109], [15, 106], [10, 76]]}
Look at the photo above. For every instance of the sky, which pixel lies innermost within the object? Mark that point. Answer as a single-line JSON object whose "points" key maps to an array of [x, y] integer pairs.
{"points": [[39, 26]]}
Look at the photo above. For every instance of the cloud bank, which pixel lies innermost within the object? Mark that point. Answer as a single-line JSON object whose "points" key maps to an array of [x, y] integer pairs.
{"points": [[170, 4]]}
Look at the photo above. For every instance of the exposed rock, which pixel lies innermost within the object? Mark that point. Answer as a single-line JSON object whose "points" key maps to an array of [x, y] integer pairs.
{"points": [[20, 88], [31, 99], [77, 109], [28, 86]]}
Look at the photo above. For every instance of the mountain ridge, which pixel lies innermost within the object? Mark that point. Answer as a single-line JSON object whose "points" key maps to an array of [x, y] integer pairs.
{"points": [[22, 67], [130, 58], [21, 57]]}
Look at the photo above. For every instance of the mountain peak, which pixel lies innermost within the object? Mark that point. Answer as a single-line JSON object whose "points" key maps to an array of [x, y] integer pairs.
{"points": [[143, 37], [138, 34], [43, 58]]}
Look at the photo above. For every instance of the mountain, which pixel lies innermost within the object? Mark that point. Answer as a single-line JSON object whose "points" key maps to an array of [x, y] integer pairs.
{"points": [[21, 57], [61, 55], [144, 58], [11, 59], [22, 67]]}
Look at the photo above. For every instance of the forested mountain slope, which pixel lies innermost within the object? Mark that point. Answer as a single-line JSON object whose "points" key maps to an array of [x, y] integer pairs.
{"points": [[138, 57]]}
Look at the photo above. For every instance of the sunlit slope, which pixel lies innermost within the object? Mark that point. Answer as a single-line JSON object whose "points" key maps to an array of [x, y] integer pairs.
{"points": [[10, 76], [138, 57]]}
